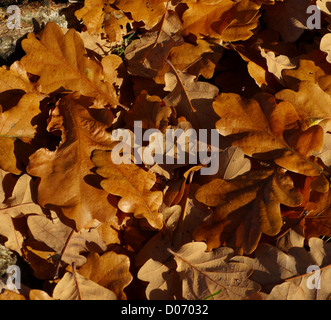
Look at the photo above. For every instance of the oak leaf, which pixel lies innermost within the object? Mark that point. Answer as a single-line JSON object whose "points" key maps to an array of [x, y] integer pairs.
{"points": [[132, 184], [310, 102], [150, 12], [191, 98], [9, 230], [297, 289], [74, 286], [233, 163], [110, 270], [21, 198], [217, 16], [60, 61], [146, 55], [15, 78], [79, 197], [267, 130], [157, 266], [65, 242], [150, 110], [246, 207], [100, 17], [272, 265], [277, 64], [205, 273], [289, 18], [16, 130]]}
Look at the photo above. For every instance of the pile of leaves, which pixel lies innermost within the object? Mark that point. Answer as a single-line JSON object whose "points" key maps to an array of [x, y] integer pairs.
{"points": [[84, 227]]}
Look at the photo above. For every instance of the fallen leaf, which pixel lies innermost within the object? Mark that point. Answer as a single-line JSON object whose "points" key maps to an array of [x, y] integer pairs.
{"points": [[15, 128], [133, 185], [191, 98], [212, 272], [109, 270], [74, 286], [146, 55], [81, 133], [259, 128], [52, 60], [246, 207]]}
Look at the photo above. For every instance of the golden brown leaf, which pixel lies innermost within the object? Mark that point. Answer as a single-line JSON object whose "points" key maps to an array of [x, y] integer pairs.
{"points": [[246, 207], [79, 196], [110, 270], [52, 59], [133, 185], [269, 131]]}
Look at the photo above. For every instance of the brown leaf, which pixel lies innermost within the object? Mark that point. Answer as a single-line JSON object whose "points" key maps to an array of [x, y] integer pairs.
{"points": [[109, 270], [265, 130], [61, 238], [146, 55], [14, 237], [272, 265], [150, 110], [15, 125], [156, 263], [74, 286], [52, 59], [133, 185], [289, 18], [205, 273], [21, 199], [246, 207], [149, 12], [310, 102], [191, 98], [233, 163], [81, 133], [99, 16]]}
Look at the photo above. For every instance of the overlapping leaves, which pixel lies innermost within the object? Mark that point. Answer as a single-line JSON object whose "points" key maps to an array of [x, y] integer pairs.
{"points": [[91, 228]]}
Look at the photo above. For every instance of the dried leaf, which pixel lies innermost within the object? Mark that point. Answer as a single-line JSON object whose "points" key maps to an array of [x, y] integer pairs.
{"points": [[246, 207], [81, 133], [212, 271], [52, 60], [73, 286], [109, 270], [133, 185], [260, 127]]}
